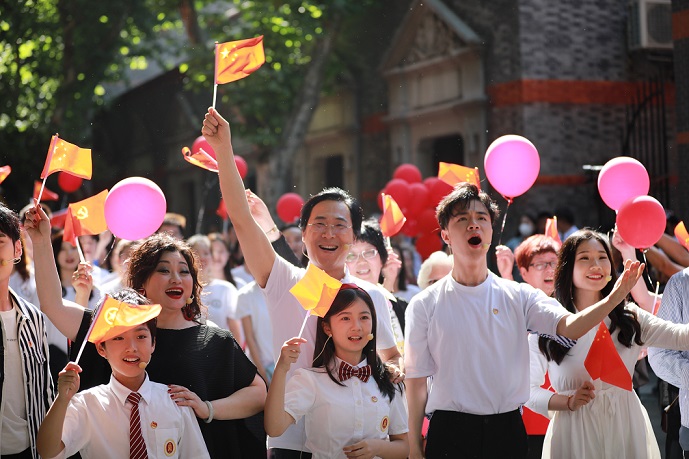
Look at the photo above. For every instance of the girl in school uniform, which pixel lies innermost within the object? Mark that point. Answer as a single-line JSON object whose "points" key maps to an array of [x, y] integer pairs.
{"points": [[352, 408], [594, 418]]}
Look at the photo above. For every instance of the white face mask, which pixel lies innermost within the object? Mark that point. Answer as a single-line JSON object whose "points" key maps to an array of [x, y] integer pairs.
{"points": [[526, 229]]}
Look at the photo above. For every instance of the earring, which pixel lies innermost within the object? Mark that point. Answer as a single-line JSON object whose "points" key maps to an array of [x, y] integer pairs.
{"points": [[190, 299], [141, 291]]}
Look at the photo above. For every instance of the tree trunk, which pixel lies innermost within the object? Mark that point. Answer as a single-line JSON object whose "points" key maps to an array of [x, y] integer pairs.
{"points": [[281, 159]]}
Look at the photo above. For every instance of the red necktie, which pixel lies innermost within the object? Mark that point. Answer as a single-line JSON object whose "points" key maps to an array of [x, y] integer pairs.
{"points": [[137, 445], [346, 371]]}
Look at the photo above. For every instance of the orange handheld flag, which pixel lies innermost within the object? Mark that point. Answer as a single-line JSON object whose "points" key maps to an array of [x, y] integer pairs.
{"points": [[551, 230], [316, 291], [47, 194], [235, 60], [393, 219], [67, 157], [682, 235], [200, 159], [116, 317], [86, 217], [452, 174], [604, 362], [4, 172]]}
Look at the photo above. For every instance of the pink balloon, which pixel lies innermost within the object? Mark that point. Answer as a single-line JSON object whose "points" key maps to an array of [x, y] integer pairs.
{"points": [[621, 179], [512, 165], [242, 167], [641, 221], [399, 190], [289, 207], [201, 142], [135, 208], [407, 172]]}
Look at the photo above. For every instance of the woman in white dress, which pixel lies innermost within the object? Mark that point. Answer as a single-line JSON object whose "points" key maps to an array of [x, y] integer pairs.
{"points": [[592, 418]]}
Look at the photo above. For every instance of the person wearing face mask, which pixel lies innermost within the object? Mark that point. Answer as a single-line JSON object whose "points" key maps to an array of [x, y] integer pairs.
{"points": [[527, 227]]}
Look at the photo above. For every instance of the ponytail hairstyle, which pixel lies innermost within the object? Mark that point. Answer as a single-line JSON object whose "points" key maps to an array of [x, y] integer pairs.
{"points": [[324, 352], [626, 320]]}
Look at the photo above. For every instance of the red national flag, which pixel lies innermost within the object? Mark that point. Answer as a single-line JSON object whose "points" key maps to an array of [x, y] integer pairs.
{"points": [[235, 60], [47, 194], [221, 211], [604, 362], [86, 217], [452, 174], [58, 218], [551, 230], [682, 235], [200, 159], [67, 157], [316, 291], [4, 172], [116, 317], [393, 219]]}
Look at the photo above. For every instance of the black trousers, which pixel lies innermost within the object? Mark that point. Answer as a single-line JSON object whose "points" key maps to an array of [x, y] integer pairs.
{"points": [[26, 454], [279, 453], [461, 435]]}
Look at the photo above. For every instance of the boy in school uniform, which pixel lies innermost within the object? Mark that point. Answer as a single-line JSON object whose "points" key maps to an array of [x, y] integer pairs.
{"points": [[130, 416]]}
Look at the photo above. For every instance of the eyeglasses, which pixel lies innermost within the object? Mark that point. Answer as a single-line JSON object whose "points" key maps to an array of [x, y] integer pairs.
{"points": [[544, 265], [337, 228], [366, 255]]}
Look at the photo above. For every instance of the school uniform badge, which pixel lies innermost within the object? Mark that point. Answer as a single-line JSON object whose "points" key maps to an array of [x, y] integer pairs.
{"points": [[384, 424], [169, 447]]}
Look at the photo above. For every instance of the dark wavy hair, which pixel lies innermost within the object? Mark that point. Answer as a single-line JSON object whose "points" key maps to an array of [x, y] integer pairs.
{"points": [[144, 260], [324, 352], [333, 194], [626, 320]]}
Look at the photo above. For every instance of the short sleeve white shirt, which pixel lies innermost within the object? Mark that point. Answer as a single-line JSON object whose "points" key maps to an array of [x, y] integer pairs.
{"points": [[97, 424], [221, 299], [252, 302], [287, 316], [473, 342], [339, 416]]}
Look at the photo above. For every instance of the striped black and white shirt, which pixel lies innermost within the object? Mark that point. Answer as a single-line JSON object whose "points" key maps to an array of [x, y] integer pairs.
{"points": [[33, 345]]}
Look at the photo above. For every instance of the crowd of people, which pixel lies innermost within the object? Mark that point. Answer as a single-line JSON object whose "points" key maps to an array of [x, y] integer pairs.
{"points": [[440, 358]]}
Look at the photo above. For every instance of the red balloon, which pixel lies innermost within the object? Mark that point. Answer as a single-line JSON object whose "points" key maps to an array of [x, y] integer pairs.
{"points": [[399, 190], [419, 200], [242, 167], [438, 190], [641, 221], [427, 244], [411, 227], [289, 207], [201, 142], [407, 172], [427, 223], [68, 183]]}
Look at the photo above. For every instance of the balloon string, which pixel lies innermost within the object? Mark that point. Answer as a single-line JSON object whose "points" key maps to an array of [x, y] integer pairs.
{"points": [[504, 219], [648, 271]]}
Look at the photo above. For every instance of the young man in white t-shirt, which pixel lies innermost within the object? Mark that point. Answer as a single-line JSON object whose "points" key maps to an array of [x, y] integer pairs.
{"points": [[467, 331]]}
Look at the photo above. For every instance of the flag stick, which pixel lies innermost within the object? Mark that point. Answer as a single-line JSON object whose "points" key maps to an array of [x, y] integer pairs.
{"points": [[88, 333], [388, 245], [215, 94], [304, 324], [81, 253], [504, 219], [40, 193], [656, 303]]}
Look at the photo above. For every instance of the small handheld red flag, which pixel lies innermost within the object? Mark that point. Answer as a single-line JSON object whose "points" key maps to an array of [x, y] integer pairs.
{"points": [[47, 194], [86, 217], [393, 219], [604, 362], [235, 60], [551, 230], [4, 172], [67, 157], [452, 174], [200, 159]]}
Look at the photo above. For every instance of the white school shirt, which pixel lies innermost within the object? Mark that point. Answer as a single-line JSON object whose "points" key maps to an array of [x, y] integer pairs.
{"points": [[97, 424], [252, 302], [221, 298], [472, 341], [287, 316], [339, 416]]}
